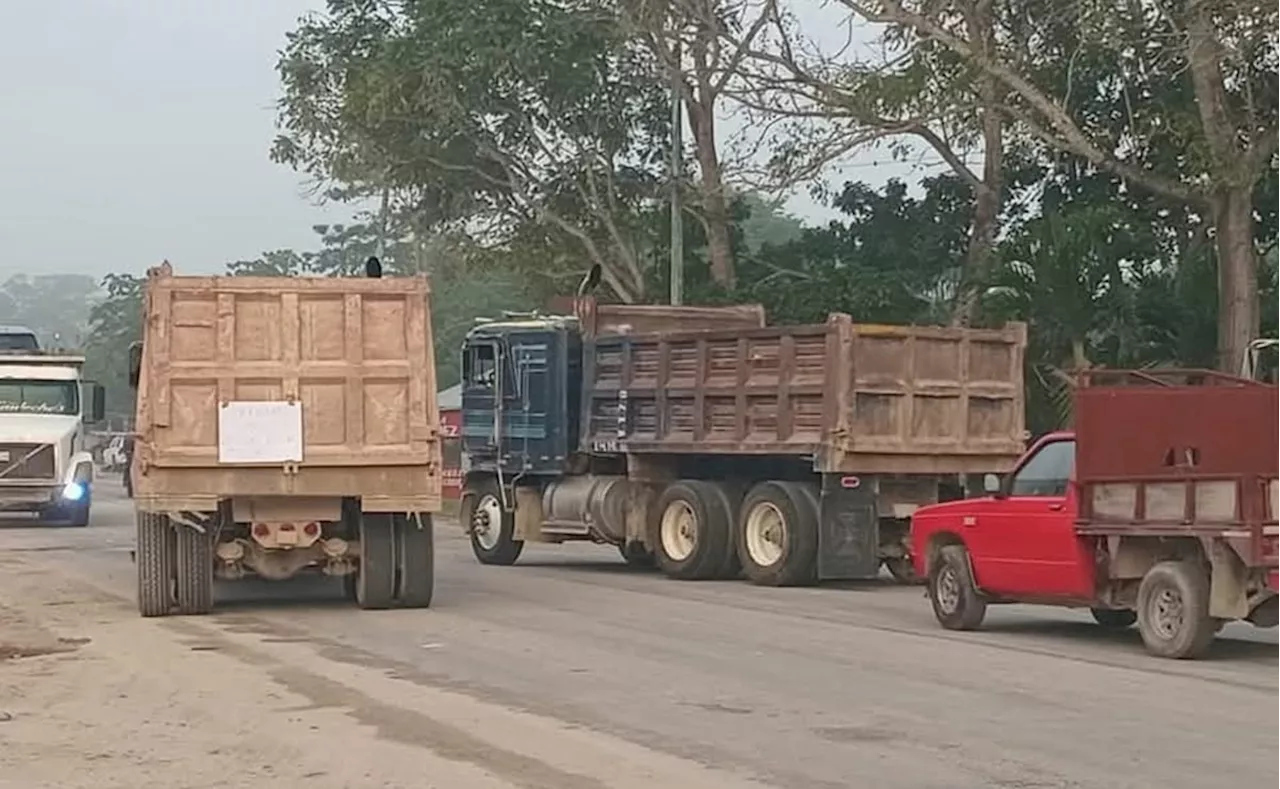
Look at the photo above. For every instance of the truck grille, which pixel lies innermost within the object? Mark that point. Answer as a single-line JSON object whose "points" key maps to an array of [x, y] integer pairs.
{"points": [[40, 464]]}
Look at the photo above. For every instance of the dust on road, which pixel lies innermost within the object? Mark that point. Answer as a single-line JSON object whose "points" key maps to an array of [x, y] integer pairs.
{"points": [[94, 697]]}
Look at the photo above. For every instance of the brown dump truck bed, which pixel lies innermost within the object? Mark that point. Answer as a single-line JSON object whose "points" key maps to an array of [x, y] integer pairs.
{"points": [[860, 398], [355, 353]]}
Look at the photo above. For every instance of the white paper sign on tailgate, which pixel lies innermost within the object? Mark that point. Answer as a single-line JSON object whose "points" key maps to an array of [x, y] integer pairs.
{"points": [[260, 432]]}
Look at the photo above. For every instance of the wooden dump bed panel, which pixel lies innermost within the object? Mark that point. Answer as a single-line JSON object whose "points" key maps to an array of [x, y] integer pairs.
{"points": [[355, 352], [904, 398]]}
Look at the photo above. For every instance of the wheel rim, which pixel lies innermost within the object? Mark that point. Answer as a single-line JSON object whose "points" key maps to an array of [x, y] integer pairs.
{"points": [[679, 531], [1166, 613], [765, 534], [947, 590], [486, 522]]}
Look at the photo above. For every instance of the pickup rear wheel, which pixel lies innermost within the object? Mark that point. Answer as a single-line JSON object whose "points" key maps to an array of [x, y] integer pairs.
{"points": [[778, 534], [957, 604], [376, 577], [692, 533], [1173, 610], [415, 560], [491, 526]]}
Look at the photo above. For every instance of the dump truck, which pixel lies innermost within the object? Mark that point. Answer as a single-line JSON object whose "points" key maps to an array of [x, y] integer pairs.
{"points": [[703, 440], [284, 426], [45, 468], [1158, 509]]}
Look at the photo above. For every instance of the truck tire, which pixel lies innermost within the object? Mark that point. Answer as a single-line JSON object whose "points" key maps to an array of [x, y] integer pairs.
{"points": [[194, 571], [956, 602], [692, 531], [777, 535], [155, 559], [1114, 618], [376, 576], [491, 526], [415, 560], [1173, 610]]}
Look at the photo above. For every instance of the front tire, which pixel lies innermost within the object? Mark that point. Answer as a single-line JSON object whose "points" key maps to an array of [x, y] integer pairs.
{"points": [[692, 532], [1173, 610], [777, 541], [491, 526], [957, 604]]}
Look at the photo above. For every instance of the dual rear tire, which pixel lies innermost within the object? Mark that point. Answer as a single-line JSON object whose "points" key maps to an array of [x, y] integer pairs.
{"points": [[174, 566], [704, 530], [397, 561]]}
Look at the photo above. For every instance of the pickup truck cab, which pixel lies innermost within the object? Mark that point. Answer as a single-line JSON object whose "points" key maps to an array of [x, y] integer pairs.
{"points": [[1170, 523]]}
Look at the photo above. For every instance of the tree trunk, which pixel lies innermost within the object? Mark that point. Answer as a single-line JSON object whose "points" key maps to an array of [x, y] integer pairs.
{"points": [[987, 194], [715, 206], [1238, 309]]}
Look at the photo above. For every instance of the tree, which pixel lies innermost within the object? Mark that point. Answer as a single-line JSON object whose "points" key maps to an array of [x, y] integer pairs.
{"points": [[54, 306], [114, 323], [686, 37], [1074, 56], [486, 115]]}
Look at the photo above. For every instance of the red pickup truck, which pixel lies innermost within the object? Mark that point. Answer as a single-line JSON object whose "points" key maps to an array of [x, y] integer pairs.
{"points": [[1160, 508]]}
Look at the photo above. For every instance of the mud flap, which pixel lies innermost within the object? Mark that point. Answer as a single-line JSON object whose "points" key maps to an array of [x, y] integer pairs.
{"points": [[848, 529]]}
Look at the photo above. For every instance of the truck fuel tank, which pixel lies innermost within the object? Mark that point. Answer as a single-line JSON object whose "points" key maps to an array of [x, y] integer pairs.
{"points": [[598, 503]]}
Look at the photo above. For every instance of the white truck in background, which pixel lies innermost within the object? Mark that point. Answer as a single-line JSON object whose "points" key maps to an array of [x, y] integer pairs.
{"points": [[44, 466]]}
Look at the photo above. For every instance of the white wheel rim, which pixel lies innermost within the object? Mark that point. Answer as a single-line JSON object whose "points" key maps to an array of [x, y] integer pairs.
{"points": [[486, 522], [679, 531], [765, 534]]}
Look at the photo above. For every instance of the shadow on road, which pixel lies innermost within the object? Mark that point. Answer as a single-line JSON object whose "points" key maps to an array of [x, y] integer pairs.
{"points": [[1224, 648]]}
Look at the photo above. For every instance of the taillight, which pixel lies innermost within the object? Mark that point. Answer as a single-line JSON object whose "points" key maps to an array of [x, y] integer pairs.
{"points": [[261, 530], [311, 529]]}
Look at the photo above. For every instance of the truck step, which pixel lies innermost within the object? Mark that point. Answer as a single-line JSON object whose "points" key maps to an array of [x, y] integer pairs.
{"points": [[566, 528]]}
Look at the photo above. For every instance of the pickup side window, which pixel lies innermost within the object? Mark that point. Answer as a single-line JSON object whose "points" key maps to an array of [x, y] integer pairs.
{"points": [[1047, 472]]}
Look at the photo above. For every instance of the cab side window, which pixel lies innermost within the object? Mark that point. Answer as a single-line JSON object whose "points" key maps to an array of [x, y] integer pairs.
{"points": [[480, 366], [1047, 473]]}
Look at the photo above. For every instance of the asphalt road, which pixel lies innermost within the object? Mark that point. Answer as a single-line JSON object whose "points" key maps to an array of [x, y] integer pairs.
{"points": [[792, 688]]}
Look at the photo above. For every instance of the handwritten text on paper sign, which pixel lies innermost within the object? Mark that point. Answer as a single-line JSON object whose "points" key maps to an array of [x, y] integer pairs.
{"points": [[260, 432]]}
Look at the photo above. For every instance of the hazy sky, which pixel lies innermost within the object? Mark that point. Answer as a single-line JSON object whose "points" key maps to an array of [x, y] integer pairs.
{"points": [[138, 130]]}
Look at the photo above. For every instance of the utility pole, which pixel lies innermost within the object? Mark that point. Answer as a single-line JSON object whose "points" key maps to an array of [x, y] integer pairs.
{"points": [[677, 160]]}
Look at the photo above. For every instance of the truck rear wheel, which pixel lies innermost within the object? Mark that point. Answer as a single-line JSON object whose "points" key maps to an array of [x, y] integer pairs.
{"points": [[957, 604], [415, 560], [778, 534], [375, 585], [194, 571], [1173, 610], [491, 526], [155, 559], [692, 533]]}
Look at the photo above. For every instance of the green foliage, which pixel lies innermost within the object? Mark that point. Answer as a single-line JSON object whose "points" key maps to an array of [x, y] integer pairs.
{"points": [[489, 113], [114, 323]]}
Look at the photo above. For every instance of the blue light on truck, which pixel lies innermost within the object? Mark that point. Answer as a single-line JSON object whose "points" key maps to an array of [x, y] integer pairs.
{"points": [[73, 491]]}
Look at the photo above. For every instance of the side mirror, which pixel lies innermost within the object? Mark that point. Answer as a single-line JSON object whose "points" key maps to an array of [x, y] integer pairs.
{"points": [[135, 364], [99, 408], [991, 484]]}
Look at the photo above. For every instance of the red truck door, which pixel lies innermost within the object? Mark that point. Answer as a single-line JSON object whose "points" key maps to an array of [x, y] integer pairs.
{"points": [[1023, 543]]}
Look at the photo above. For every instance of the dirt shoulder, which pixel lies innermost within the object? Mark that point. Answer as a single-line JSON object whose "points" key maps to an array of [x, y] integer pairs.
{"points": [[93, 696]]}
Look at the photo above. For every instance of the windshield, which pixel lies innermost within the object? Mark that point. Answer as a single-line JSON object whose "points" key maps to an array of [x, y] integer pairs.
{"points": [[18, 342], [39, 397]]}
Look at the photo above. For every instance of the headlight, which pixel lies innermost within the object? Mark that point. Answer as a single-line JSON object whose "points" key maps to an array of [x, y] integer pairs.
{"points": [[73, 491]]}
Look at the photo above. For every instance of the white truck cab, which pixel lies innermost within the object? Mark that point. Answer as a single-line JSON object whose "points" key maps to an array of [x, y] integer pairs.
{"points": [[44, 467]]}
